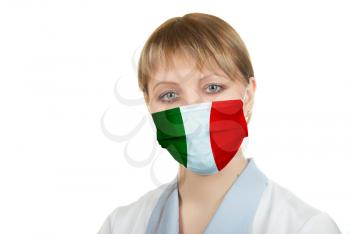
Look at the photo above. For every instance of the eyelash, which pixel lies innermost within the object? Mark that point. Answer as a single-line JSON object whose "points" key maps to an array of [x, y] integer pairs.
{"points": [[167, 92], [221, 87]]}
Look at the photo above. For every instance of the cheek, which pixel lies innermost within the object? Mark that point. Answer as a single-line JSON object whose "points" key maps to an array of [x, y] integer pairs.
{"points": [[229, 93], [155, 108], [154, 105]]}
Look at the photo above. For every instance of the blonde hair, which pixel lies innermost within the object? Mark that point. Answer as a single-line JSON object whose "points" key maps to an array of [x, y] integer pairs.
{"points": [[206, 38]]}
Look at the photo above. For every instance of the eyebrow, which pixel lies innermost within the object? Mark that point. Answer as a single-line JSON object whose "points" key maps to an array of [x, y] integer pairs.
{"points": [[202, 78], [163, 82]]}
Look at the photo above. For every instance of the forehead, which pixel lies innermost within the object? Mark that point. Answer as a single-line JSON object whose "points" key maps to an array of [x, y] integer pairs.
{"points": [[181, 67]]}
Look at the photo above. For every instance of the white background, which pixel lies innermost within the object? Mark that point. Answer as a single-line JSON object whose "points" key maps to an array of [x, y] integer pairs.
{"points": [[61, 171]]}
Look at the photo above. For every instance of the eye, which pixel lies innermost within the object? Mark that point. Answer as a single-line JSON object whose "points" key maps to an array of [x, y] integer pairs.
{"points": [[214, 88], [169, 96]]}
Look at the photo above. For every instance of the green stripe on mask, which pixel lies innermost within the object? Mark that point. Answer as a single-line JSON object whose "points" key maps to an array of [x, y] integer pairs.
{"points": [[171, 133]]}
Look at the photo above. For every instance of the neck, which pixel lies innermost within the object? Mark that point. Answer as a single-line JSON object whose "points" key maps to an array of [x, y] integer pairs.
{"points": [[194, 188]]}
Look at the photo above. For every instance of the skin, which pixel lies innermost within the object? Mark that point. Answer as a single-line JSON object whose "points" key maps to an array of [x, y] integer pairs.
{"points": [[182, 85]]}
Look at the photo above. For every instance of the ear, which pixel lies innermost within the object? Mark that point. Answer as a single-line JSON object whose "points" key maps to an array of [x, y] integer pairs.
{"points": [[250, 97], [252, 83]]}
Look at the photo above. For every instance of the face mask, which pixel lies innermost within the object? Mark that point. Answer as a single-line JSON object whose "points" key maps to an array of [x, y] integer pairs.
{"points": [[203, 137]]}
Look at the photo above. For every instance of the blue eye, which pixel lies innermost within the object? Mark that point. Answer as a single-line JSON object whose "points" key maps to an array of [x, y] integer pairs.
{"points": [[214, 88], [168, 96]]}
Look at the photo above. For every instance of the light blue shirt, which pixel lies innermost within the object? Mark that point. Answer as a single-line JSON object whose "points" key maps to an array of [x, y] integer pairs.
{"points": [[235, 214]]}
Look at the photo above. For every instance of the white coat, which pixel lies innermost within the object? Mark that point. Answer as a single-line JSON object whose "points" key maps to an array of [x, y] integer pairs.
{"points": [[254, 204]]}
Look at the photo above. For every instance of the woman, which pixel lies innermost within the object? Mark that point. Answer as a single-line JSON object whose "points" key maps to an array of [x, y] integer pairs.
{"points": [[198, 83]]}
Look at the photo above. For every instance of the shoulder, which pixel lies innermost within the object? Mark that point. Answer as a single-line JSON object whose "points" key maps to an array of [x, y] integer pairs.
{"points": [[320, 223], [281, 211], [133, 217]]}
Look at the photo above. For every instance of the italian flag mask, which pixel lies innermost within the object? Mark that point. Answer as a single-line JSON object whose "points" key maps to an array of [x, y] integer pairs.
{"points": [[203, 137]]}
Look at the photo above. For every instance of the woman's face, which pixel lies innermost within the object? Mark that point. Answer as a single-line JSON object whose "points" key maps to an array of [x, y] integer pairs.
{"points": [[184, 84]]}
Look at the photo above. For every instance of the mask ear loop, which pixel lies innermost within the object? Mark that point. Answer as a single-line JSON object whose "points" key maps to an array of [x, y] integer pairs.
{"points": [[246, 89], [245, 142], [243, 99], [245, 94]]}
